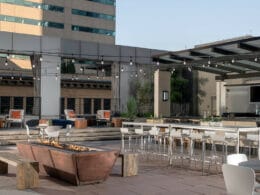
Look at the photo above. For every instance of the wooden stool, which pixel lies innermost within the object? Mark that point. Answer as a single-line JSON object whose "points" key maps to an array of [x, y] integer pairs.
{"points": [[26, 170], [129, 164]]}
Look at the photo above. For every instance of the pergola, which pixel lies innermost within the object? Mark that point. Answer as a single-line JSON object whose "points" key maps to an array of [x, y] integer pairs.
{"points": [[228, 59]]}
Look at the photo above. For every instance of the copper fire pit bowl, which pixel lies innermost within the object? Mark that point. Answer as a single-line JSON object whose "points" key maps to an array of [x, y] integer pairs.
{"points": [[72, 163]]}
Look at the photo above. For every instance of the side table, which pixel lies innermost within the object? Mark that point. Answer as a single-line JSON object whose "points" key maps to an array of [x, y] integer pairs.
{"points": [[81, 123]]}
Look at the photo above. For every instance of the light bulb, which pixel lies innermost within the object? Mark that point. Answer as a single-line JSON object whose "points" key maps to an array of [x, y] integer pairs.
{"points": [[233, 60], [158, 63]]}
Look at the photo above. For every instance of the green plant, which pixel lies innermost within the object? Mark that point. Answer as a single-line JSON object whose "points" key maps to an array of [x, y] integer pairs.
{"points": [[131, 108]]}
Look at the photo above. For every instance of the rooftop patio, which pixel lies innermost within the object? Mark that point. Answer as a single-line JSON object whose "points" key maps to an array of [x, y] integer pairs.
{"points": [[154, 177]]}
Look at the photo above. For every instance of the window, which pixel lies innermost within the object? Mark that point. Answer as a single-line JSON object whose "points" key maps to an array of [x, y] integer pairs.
{"points": [[255, 94], [31, 21], [62, 107], [107, 104], [71, 103], [108, 2], [4, 105], [87, 106], [43, 6], [18, 103], [92, 14], [97, 105], [29, 105], [92, 30]]}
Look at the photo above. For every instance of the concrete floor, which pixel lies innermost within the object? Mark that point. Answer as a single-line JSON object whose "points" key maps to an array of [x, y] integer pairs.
{"points": [[155, 177]]}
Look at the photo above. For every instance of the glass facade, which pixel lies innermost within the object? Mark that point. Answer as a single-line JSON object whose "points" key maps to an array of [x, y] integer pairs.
{"points": [[43, 6], [92, 14], [92, 30], [108, 2], [87, 106], [31, 21], [18, 102]]}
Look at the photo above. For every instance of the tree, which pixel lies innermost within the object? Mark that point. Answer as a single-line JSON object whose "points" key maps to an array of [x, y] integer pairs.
{"points": [[131, 108]]}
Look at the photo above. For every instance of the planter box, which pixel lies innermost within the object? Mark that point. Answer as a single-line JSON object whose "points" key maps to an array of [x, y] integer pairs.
{"points": [[74, 167], [211, 123]]}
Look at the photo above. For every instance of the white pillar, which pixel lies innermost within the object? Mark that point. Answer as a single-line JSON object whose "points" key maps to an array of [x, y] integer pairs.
{"points": [[220, 97], [50, 86]]}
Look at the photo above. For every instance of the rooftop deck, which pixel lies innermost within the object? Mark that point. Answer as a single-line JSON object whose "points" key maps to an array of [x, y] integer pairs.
{"points": [[154, 177]]}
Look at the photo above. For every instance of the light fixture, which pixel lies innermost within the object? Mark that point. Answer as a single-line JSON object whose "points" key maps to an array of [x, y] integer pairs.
{"points": [[88, 77], [56, 76], [141, 70], [173, 70], [189, 68], [102, 60], [102, 70], [233, 61], [38, 78], [33, 65], [7, 56], [136, 75], [6, 62], [184, 62], [58, 67], [122, 69], [209, 62], [158, 63], [73, 60], [256, 59], [131, 61], [40, 58], [21, 78], [34, 78], [165, 96], [12, 77], [203, 65], [116, 76], [216, 65], [81, 68]]}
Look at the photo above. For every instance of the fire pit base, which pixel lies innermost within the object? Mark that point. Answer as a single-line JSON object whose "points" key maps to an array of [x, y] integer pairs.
{"points": [[74, 167]]}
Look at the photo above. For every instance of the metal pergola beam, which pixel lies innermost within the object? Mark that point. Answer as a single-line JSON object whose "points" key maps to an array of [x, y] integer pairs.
{"points": [[222, 51], [238, 76], [248, 47], [210, 70], [230, 69], [251, 67]]}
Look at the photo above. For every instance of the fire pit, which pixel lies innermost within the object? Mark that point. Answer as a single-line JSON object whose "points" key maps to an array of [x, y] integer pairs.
{"points": [[73, 163]]}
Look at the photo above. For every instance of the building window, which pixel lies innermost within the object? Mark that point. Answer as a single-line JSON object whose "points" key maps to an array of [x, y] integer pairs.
{"points": [[93, 30], [18, 103], [71, 103], [4, 105], [31, 22], [87, 106], [29, 105], [92, 14], [108, 2], [42, 6], [62, 107], [107, 104], [97, 105]]}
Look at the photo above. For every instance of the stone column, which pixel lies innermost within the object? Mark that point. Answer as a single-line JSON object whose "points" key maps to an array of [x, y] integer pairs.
{"points": [[162, 91], [50, 86]]}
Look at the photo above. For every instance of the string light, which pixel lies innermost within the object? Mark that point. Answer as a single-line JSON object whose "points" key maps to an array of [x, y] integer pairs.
{"points": [[116, 76], [33, 65], [6, 62], [256, 59], [189, 68], [203, 65], [233, 61], [131, 61], [102, 60], [158, 63], [58, 67], [122, 69], [184, 62], [40, 59]]}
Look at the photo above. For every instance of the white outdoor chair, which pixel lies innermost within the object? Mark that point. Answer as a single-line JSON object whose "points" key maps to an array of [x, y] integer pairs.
{"points": [[125, 133], [235, 159], [239, 180], [52, 132], [15, 116], [29, 135], [70, 114]]}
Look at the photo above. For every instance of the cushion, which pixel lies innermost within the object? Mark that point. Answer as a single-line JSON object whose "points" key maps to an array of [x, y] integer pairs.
{"points": [[107, 114], [16, 114], [71, 114]]}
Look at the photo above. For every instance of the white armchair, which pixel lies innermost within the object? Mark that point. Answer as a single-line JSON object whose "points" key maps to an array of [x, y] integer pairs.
{"points": [[15, 116], [52, 132], [70, 114]]}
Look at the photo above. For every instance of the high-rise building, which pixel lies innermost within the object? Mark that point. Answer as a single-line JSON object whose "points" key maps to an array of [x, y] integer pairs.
{"points": [[86, 20]]}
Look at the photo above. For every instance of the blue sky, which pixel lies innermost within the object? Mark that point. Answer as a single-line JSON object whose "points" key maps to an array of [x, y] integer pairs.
{"points": [[179, 24]]}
